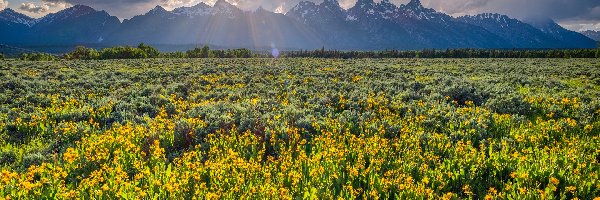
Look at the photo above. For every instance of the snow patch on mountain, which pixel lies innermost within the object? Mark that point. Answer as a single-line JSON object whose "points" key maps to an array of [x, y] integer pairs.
{"points": [[69, 13], [15, 17], [351, 18], [200, 9]]}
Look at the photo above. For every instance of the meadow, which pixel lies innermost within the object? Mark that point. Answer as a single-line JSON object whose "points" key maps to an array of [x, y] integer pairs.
{"points": [[300, 128]]}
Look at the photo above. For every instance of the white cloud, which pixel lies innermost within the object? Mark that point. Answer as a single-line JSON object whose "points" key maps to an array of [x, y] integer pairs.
{"points": [[3, 4], [172, 4], [43, 8], [56, 5], [33, 8]]}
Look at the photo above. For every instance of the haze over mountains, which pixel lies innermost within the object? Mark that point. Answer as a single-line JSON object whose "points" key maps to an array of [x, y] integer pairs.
{"points": [[366, 26]]}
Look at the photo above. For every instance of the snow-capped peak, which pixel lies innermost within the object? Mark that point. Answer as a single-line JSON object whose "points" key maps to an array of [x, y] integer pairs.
{"points": [[303, 11], [363, 9], [77, 10], [368, 9], [158, 10], [304, 5], [202, 9], [365, 3], [414, 4], [387, 4], [224, 7], [493, 16], [10, 15], [387, 10], [414, 9], [333, 5], [223, 4], [197, 10], [72, 12], [503, 20]]}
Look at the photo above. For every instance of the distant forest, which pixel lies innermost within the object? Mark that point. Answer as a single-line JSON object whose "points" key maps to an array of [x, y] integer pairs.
{"points": [[146, 51]]}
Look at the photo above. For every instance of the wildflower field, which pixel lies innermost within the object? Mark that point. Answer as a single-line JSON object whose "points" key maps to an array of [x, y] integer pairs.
{"points": [[300, 128]]}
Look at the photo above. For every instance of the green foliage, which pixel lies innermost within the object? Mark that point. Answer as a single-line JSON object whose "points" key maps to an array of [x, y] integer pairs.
{"points": [[510, 103], [300, 127], [147, 51], [119, 52], [198, 52], [38, 57], [177, 54], [449, 53], [122, 52], [205, 52], [7, 157], [82, 53], [150, 51], [461, 92], [35, 158]]}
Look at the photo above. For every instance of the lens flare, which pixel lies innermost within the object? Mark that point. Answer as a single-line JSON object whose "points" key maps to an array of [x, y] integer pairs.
{"points": [[275, 53]]}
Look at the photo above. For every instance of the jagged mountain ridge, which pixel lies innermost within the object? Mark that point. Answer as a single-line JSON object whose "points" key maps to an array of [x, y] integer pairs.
{"points": [[516, 33], [222, 24], [595, 35], [75, 25], [365, 26], [386, 26]]}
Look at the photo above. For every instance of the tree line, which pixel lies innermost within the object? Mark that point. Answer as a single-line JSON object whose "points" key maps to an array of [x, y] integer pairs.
{"points": [[448, 53], [147, 51]]}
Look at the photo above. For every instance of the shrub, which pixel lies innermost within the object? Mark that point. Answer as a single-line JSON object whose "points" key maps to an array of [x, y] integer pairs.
{"points": [[37, 57], [198, 52], [150, 51], [82, 53], [7, 157], [509, 104], [463, 92], [35, 158], [122, 52]]}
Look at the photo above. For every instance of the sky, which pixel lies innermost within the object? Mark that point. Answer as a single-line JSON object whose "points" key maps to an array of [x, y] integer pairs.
{"points": [[576, 15]]}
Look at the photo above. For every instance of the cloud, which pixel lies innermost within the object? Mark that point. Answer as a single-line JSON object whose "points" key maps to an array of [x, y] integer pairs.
{"points": [[32, 8], [127, 8], [42, 8], [56, 5], [3, 4], [172, 4]]}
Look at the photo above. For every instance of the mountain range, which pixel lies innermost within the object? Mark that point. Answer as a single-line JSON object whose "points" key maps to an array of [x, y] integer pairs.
{"points": [[595, 35], [365, 26]]}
